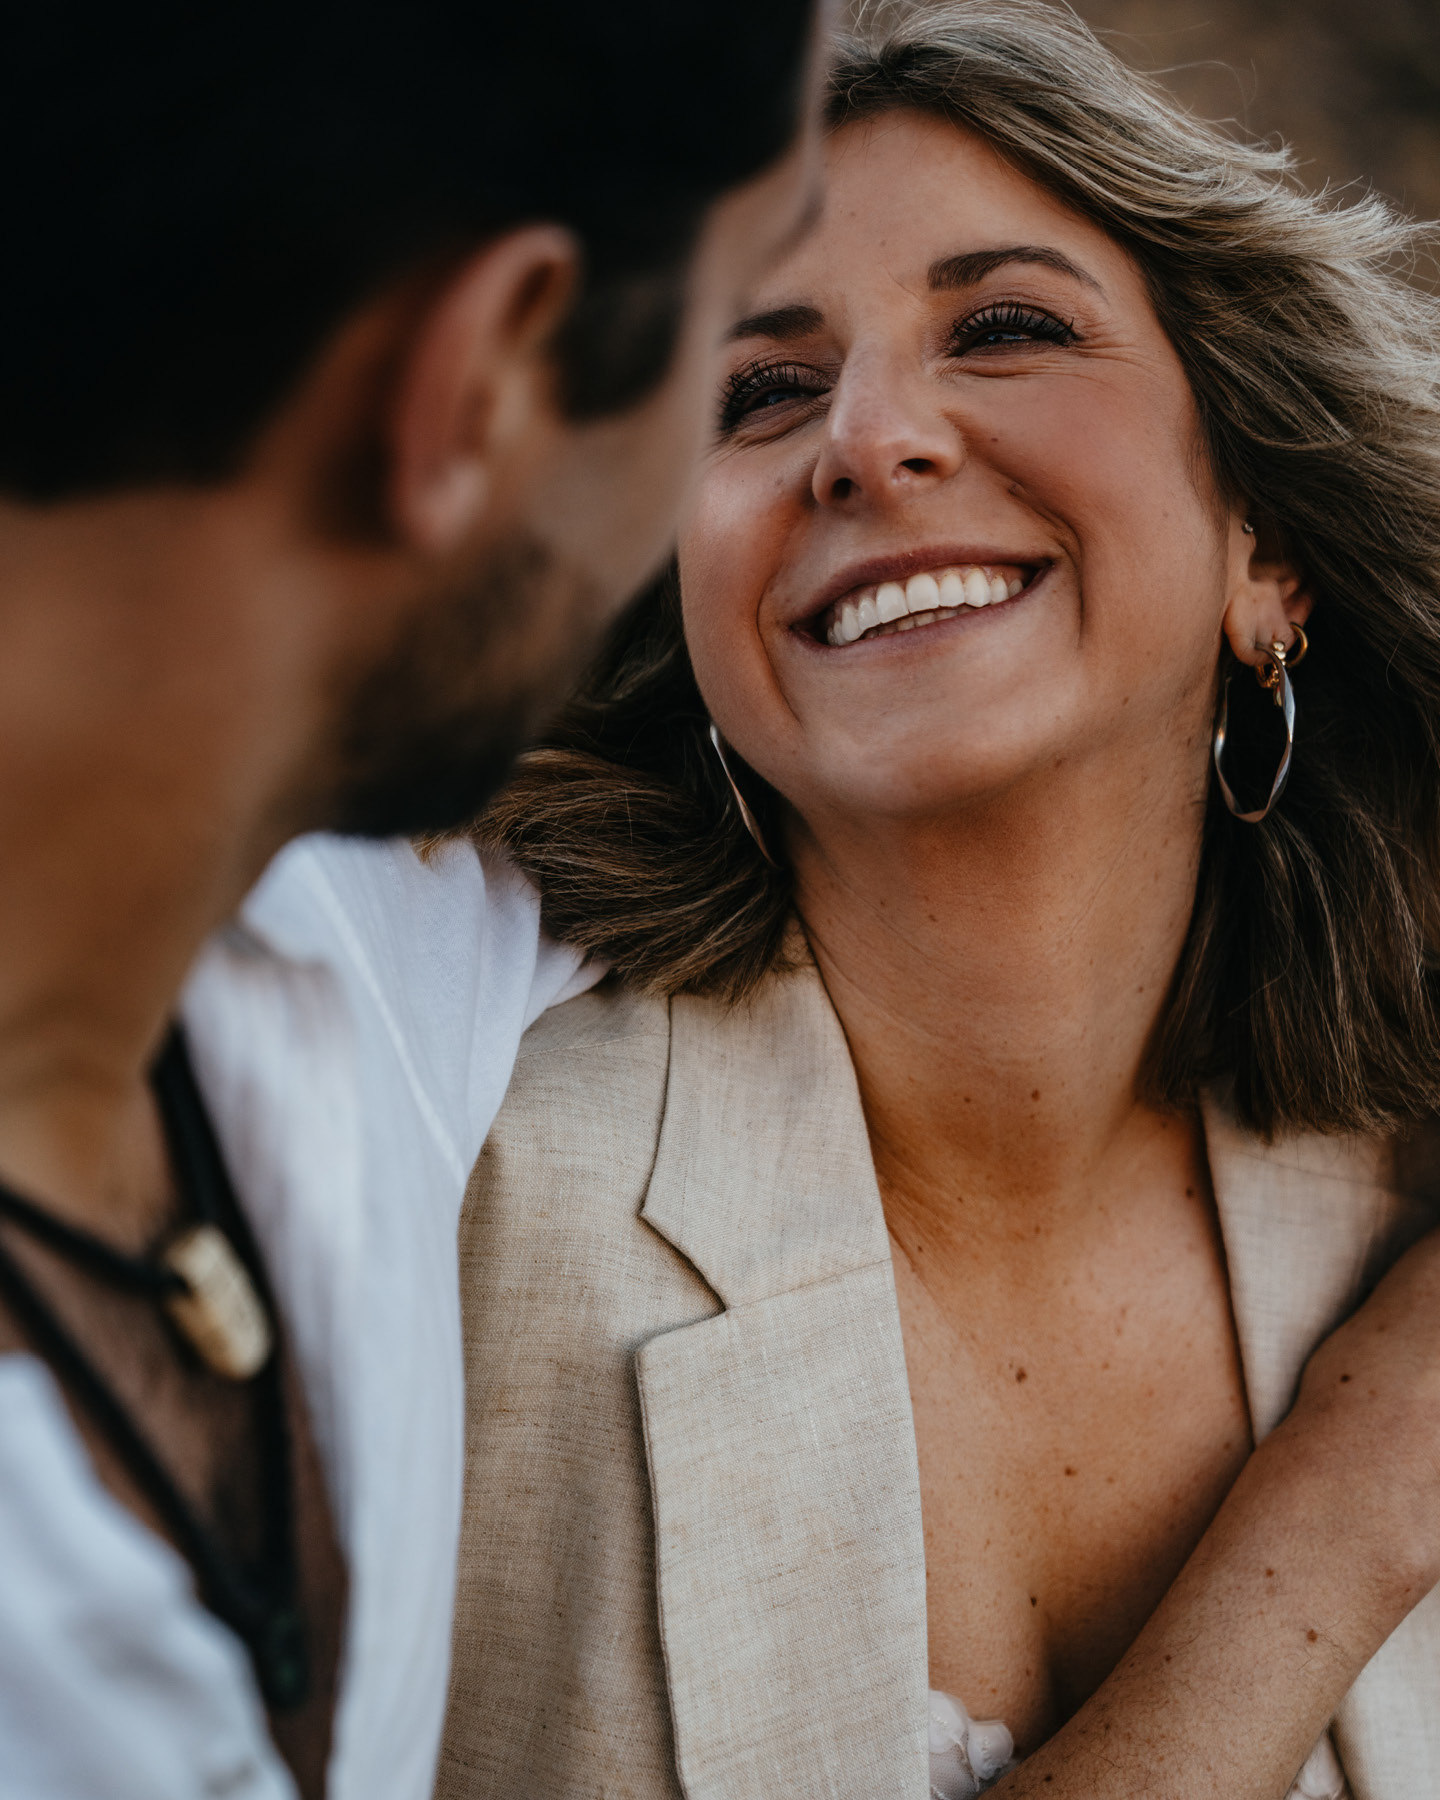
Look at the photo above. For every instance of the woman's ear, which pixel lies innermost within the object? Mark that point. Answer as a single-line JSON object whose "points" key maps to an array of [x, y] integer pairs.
{"points": [[477, 381], [1267, 592]]}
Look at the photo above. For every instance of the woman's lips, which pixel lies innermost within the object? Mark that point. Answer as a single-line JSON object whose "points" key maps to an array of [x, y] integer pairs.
{"points": [[923, 599]]}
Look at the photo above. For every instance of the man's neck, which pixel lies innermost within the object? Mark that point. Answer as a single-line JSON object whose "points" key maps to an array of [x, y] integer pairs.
{"points": [[142, 742]]}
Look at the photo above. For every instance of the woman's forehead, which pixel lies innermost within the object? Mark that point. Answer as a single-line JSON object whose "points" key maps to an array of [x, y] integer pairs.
{"points": [[915, 200]]}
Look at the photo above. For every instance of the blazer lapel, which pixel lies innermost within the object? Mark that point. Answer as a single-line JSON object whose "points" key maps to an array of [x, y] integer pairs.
{"points": [[790, 1558], [1309, 1223]]}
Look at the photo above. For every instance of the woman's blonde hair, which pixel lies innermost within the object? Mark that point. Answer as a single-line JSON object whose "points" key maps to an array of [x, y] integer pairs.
{"points": [[1308, 974]]}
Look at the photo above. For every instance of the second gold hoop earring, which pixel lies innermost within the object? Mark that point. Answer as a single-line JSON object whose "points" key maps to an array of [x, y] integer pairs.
{"points": [[747, 818], [1273, 675]]}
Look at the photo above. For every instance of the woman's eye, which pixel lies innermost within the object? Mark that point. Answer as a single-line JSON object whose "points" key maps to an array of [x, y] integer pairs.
{"points": [[1007, 326], [758, 389]]}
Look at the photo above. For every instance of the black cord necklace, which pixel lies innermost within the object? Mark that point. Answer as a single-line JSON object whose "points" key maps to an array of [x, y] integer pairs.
{"points": [[211, 1282]]}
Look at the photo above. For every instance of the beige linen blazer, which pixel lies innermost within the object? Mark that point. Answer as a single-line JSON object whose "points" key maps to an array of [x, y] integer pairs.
{"points": [[692, 1561]]}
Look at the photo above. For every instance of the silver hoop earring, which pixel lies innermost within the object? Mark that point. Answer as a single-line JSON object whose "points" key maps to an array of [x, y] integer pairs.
{"points": [[1274, 676], [747, 818]]}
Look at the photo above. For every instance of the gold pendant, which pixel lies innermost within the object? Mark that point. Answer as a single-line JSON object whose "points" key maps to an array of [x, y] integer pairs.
{"points": [[219, 1312]]}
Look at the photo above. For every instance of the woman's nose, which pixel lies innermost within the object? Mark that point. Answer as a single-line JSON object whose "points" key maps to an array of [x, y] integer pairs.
{"points": [[884, 438]]}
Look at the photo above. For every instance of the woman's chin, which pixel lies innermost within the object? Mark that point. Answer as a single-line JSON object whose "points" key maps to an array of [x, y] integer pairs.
{"points": [[915, 751], [916, 791]]}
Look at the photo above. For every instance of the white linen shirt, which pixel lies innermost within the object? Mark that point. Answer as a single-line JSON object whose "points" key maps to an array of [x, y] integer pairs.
{"points": [[353, 1033]]}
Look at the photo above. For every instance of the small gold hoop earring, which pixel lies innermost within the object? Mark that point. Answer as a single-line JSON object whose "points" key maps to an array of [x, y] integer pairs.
{"points": [[1274, 677], [747, 818]]}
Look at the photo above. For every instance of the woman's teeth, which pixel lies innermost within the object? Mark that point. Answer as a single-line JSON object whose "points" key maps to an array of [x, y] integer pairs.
{"points": [[922, 600]]}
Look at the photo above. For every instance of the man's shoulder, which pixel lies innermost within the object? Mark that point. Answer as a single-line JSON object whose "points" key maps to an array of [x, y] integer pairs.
{"points": [[321, 889], [439, 943], [440, 959]]}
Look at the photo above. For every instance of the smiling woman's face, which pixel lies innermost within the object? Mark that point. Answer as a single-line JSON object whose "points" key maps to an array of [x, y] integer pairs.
{"points": [[958, 528]]}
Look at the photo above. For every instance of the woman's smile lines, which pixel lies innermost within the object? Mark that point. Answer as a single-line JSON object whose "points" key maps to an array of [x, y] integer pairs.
{"points": [[924, 599]]}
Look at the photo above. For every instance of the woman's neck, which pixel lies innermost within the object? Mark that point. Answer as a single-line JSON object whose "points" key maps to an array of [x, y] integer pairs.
{"points": [[999, 973]]}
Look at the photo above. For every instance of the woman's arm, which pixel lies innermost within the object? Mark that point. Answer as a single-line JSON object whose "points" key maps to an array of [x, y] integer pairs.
{"points": [[1327, 1540]]}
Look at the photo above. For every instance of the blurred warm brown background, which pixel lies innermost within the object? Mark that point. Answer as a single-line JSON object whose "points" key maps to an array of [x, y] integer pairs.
{"points": [[1352, 85]]}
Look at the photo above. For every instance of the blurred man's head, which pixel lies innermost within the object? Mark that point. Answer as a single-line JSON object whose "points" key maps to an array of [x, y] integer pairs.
{"points": [[397, 318]]}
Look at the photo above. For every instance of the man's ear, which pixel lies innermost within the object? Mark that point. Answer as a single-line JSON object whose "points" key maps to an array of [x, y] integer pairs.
{"points": [[476, 378], [1267, 591]]}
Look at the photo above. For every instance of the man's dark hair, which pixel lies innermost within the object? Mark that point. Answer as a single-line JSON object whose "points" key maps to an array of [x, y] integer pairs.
{"points": [[197, 194]]}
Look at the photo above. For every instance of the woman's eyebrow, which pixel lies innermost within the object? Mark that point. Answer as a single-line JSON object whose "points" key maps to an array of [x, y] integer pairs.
{"points": [[781, 323], [970, 266]]}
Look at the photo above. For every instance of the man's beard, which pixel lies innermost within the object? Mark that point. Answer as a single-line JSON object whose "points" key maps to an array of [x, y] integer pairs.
{"points": [[429, 735]]}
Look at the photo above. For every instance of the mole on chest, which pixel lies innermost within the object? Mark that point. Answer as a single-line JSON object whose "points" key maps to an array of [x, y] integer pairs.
{"points": [[1059, 1504]]}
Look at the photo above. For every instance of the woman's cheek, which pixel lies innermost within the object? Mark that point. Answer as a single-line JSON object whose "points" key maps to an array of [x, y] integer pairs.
{"points": [[726, 564], [728, 514]]}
